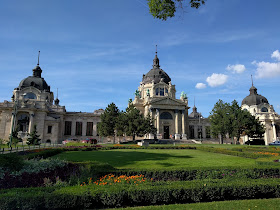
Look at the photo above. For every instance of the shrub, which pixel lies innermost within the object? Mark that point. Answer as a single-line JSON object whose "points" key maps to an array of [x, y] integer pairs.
{"points": [[12, 162], [40, 153], [34, 172], [157, 193]]}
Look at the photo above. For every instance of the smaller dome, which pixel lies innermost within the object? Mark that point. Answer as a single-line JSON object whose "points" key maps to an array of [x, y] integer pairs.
{"points": [[156, 74], [254, 98], [35, 81]]}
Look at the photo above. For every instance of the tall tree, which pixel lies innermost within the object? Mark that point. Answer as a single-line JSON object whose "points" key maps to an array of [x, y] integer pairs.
{"points": [[137, 124], [108, 122], [163, 9], [220, 120], [232, 120]]}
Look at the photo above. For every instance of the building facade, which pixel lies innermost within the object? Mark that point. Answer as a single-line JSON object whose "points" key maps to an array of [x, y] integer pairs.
{"points": [[33, 103], [259, 107]]}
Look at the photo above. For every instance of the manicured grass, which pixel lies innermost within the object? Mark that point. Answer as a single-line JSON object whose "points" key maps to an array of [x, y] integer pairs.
{"points": [[156, 159], [233, 205]]}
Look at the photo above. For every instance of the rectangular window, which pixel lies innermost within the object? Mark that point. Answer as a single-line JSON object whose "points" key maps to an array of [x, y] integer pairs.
{"points": [[68, 126], [79, 126], [89, 128], [166, 91], [157, 92], [191, 129], [161, 91], [49, 129], [208, 132]]}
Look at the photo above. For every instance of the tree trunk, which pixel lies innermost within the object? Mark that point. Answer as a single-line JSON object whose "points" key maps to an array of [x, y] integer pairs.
{"points": [[221, 139]]}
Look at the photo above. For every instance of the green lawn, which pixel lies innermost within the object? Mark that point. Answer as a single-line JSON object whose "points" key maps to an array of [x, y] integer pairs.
{"points": [[156, 159], [266, 204]]}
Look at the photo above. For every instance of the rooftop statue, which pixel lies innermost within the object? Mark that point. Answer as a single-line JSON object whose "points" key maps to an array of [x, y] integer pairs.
{"points": [[183, 95], [137, 93]]}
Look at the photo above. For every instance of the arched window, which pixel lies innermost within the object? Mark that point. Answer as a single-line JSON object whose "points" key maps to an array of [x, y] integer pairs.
{"points": [[245, 109], [264, 109], [23, 122], [166, 116], [161, 91], [30, 96]]}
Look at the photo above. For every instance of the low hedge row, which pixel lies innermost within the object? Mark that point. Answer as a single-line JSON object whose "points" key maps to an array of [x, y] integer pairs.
{"points": [[157, 193], [97, 169], [40, 153], [187, 175], [232, 152], [26, 179]]}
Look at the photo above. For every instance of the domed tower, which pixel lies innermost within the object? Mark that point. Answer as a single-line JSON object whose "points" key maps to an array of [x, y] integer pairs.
{"points": [[156, 97], [259, 107], [34, 88], [156, 83]]}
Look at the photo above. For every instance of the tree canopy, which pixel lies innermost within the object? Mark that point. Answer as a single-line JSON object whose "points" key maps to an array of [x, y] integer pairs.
{"points": [[230, 119], [33, 137], [163, 9], [131, 122]]}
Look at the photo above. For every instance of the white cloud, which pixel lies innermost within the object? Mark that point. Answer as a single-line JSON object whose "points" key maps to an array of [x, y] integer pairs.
{"points": [[276, 55], [267, 69], [216, 80], [238, 68], [200, 85]]}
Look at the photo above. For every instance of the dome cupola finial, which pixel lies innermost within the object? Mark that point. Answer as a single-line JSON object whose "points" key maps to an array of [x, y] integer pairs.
{"points": [[37, 71], [253, 89], [156, 60], [38, 58]]}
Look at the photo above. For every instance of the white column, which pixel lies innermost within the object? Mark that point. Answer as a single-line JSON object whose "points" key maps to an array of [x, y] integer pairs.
{"points": [[31, 121], [184, 136], [157, 115], [274, 131], [177, 135]]}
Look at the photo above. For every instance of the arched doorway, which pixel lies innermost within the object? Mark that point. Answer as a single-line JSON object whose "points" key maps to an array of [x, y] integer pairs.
{"points": [[23, 122]]}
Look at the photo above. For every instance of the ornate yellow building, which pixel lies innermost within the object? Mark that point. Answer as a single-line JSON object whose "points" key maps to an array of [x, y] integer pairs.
{"points": [[259, 107], [156, 97]]}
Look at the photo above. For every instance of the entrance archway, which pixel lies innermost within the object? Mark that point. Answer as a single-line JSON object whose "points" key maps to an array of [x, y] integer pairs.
{"points": [[166, 132]]}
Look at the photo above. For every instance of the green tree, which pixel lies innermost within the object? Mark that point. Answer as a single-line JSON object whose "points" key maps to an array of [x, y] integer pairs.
{"points": [[121, 124], [109, 118], [232, 120], [220, 120], [33, 138], [163, 9], [15, 139], [137, 124]]}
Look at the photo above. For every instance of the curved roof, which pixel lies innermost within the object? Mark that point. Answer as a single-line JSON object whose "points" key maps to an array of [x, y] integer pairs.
{"points": [[254, 98], [35, 81], [156, 74]]}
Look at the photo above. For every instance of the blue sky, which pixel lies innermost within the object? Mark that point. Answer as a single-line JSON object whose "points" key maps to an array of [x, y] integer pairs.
{"points": [[95, 52]]}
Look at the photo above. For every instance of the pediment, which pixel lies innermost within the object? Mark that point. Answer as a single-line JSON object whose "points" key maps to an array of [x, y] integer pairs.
{"points": [[167, 101]]}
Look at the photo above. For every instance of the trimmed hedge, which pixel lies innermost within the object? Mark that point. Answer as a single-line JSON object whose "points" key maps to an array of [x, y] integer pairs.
{"points": [[37, 179], [157, 193], [40, 153]]}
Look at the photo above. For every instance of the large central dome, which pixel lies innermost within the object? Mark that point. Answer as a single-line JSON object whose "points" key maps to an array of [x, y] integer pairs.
{"points": [[254, 98], [156, 74], [35, 81]]}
